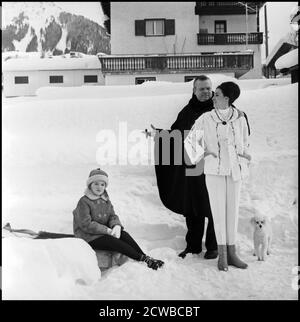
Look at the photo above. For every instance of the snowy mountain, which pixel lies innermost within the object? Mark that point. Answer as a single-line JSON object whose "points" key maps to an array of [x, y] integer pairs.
{"points": [[45, 27]]}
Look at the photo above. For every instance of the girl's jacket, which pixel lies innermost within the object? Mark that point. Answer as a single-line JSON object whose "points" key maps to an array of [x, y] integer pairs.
{"points": [[93, 216]]}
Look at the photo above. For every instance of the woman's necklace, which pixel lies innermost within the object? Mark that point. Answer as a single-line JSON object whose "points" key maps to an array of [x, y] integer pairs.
{"points": [[224, 122]]}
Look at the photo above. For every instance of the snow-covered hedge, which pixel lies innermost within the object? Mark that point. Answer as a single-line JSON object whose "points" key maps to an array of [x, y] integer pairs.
{"points": [[50, 268]]}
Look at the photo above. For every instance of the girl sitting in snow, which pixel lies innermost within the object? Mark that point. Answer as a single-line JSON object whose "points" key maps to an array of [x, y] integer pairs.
{"points": [[96, 222]]}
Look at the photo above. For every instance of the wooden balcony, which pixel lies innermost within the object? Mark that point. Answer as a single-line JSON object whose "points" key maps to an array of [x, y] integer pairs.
{"points": [[226, 8], [180, 63], [230, 38]]}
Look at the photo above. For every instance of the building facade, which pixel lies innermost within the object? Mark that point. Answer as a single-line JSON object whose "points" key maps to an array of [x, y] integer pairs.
{"points": [[23, 76], [175, 41]]}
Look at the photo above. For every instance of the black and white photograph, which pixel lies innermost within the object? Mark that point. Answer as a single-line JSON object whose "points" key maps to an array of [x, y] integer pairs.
{"points": [[150, 152]]}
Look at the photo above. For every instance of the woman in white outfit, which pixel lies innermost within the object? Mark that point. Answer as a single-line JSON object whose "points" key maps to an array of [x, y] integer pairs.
{"points": [[223, 134]]}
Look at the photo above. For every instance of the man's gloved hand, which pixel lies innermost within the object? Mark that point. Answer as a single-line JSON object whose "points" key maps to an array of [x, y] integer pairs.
{"points": [[116, 231]]}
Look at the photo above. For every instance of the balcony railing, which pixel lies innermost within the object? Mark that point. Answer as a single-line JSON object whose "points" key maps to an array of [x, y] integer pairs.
{"points": [[224, 8], [230, 38], [211, 62]]}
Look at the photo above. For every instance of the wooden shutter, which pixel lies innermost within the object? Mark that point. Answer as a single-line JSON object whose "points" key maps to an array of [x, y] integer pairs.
{"points": [[140, 27], [170, 27]]}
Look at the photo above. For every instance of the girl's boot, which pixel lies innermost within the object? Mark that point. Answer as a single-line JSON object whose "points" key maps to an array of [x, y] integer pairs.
{"points": [[152, 262]]}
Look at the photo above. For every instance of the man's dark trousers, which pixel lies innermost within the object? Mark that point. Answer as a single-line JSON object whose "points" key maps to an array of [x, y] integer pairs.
{"points": [[195, 226], [195, 214]]}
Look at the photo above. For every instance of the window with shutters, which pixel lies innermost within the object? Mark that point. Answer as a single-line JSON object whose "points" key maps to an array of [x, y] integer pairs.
{"points": [[154, 27]]}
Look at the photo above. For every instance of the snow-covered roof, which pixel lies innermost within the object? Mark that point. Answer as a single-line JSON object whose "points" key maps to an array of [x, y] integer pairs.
{"points": [[296, 17], [288, 60], [19, 54], [281, 42], [54, 63]]}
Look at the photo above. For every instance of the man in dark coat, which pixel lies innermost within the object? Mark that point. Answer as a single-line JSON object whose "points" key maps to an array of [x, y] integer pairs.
{"points": [[187, 195]]}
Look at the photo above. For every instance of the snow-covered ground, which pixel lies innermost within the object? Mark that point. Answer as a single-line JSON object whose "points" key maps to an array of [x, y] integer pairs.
{"points": [[52, 141]]}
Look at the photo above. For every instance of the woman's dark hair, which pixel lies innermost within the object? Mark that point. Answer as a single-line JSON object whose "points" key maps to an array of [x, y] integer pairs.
{"points": [[230, 90]]}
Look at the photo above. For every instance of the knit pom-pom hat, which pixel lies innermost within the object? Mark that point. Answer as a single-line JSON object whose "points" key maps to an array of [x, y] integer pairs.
{"points": [[230, 90], [97, 174]]}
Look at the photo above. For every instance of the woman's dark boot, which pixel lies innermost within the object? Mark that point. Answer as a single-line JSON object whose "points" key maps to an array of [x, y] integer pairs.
{"points": [[152, 262], [233, 259], [222, 261]]}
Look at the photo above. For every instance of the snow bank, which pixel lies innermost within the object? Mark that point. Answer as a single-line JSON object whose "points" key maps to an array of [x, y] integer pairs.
{"points": [[48, 269], [145, 89], [288, 60], [148, 88], [253, 84], [70, 131]]}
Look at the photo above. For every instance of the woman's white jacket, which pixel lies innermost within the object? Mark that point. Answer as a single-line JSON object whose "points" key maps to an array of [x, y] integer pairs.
{"points": [[227, 142]]}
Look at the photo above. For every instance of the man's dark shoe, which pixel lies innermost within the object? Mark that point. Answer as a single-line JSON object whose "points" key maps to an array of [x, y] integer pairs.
{"points": [[188, 251], [211, 254]]}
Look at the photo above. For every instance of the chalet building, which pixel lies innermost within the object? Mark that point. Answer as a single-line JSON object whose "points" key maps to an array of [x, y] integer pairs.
{"points": [[176, 41], [287, 45], [283, 46], [23, 76]]}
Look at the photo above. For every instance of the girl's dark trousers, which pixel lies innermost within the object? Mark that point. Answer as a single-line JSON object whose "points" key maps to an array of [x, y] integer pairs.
{"points": [[124, 245]]}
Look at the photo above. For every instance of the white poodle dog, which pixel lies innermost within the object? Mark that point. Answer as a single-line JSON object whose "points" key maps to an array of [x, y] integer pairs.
{"points": [[262, 236]]}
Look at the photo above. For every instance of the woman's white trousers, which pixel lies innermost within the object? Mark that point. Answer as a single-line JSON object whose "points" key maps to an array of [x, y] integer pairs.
{"points": [[224, 197]]}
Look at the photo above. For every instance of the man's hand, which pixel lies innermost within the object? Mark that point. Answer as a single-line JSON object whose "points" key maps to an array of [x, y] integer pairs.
{"points": [[116, 231]]}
